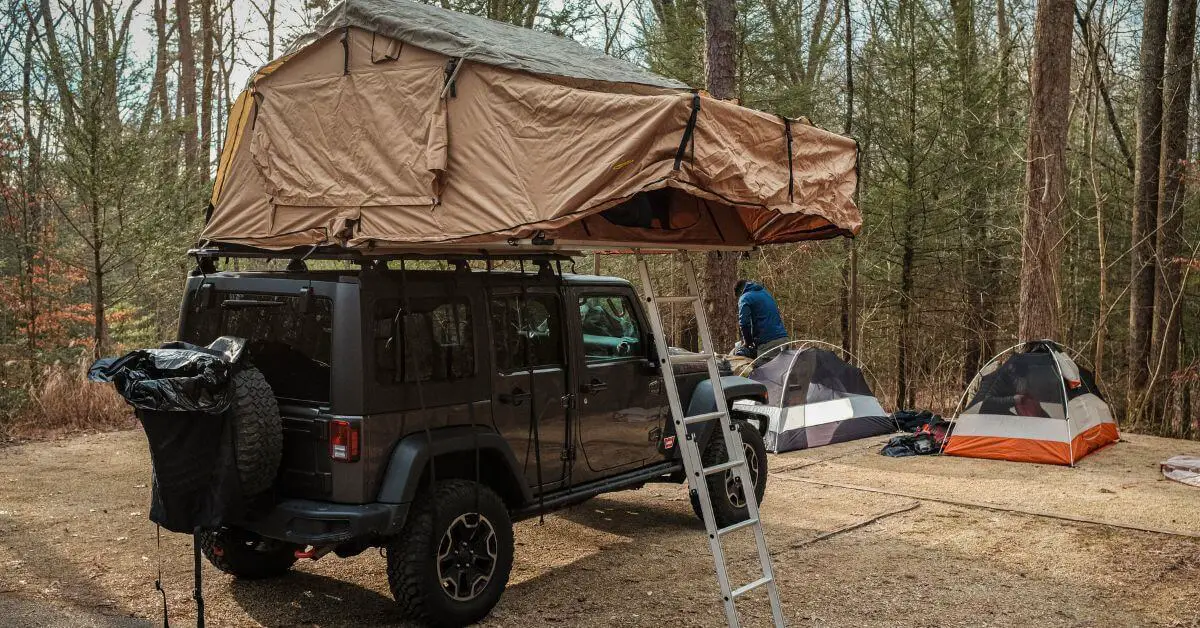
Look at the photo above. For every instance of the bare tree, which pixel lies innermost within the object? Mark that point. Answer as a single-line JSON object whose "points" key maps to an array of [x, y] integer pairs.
{"points": [[849, 288], [1177, 87], [187, 84], [100, 159], [1045, 170], [207, 36], [267, 12], [1145, 210], [157, 100]]}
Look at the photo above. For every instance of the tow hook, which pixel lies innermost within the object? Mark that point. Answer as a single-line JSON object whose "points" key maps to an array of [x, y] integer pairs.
{"points": [[313, 553]]}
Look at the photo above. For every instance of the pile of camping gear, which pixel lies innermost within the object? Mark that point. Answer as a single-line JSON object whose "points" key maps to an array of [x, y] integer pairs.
{"points": [[925, 433]]}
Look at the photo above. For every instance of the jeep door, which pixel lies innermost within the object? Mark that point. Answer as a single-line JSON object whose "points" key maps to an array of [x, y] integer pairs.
{"points": [[529, 383], [621, 403]]}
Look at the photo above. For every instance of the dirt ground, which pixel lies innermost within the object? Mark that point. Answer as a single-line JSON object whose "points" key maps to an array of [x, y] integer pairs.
{"points": [[76, 548]]}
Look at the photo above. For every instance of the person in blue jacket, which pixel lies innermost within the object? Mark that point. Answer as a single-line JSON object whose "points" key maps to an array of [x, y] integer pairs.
{"points": [[758, 317]]}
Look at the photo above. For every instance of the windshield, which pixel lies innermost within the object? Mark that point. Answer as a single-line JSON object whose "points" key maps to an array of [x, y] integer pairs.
{"points": [[290, 347]]}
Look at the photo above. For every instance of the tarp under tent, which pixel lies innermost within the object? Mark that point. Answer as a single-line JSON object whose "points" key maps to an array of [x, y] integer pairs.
{"points": [[1037, 406], [396, 125], [814, 398]]}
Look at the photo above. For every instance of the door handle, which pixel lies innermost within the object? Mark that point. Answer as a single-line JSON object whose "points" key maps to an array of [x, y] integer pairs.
{"points": [[594, 386], [516, 397]]}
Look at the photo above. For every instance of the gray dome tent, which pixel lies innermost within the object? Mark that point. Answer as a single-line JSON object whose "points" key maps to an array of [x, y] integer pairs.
{"points": [[814, 398]]}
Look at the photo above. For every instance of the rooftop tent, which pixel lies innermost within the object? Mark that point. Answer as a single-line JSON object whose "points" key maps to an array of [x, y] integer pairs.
{"points": [[815, 398], [1037, 406], [397, 125]]}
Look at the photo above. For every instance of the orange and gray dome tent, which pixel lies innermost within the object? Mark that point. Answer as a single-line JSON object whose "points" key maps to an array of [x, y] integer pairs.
{"points": [[397, 125], [1036, 406]]}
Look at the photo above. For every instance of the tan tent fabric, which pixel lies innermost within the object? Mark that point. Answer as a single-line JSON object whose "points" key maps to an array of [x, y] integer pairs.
{"points": [[358, 140]]}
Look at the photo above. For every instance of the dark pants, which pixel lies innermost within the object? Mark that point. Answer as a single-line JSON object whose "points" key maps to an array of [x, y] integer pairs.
{"points": [[771, 344]]}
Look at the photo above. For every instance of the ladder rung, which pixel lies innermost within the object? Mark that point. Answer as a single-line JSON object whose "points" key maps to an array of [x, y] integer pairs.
{"points": [[752, 586], [700, 418], [724, 466], [684, 299], [687, 358], [737, 526]]}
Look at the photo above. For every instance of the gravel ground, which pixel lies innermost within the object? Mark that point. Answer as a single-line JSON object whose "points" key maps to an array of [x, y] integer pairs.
{"points": [[76, 549]]}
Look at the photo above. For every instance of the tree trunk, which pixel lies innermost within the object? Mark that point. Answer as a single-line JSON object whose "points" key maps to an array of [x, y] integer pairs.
{"points": [[206, 87], [187, 85], [720, 77], [1145, 210], [31, 226], [270, 18], [904, 392], [157, 100], [1177, 87], [977, 291], [849, 292], [1045, 170]]}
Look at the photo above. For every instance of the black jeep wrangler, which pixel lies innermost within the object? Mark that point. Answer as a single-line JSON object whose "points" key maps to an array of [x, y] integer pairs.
{"points": [[423, 411]]}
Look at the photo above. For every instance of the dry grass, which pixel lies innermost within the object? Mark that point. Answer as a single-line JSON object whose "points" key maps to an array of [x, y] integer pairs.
{"points": [[62, 401]]}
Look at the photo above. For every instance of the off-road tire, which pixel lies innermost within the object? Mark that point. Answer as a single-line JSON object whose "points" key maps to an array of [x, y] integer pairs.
{"points": [[257, 429], [725, 511], [245, 554], [412, 556]]}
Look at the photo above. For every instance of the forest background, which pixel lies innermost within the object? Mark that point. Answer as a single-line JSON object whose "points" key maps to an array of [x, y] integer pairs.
{"points": [[1028, 169]]}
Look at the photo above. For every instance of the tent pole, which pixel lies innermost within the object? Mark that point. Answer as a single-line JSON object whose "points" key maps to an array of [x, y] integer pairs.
{"points": [[1062, 382]]}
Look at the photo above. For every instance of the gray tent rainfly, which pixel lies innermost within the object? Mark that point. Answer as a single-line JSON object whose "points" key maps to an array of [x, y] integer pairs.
{"points": [[815, 398], [463, 36]]}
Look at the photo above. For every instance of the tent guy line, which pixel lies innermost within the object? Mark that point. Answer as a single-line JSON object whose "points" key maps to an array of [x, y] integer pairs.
{"points": [[1019, 511], [853, 526]]}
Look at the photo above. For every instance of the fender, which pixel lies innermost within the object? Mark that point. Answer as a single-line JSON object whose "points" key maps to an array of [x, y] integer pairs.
{"points": [[412, 455], [702, 401]]}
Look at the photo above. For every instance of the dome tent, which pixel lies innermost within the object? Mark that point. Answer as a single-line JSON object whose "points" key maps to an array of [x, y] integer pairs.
{"points": [[814, 398], [396, 125], [1037, 406]]}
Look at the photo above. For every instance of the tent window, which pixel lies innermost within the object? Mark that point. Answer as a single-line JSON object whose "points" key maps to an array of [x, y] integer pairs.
{"points": [[384, 49]]}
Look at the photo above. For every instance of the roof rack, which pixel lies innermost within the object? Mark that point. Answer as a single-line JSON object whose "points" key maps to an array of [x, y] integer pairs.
{"points": [[354, 255], [537, 247]]}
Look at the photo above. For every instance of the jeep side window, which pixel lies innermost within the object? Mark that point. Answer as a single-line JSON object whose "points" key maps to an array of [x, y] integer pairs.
{"points": [[526, 332], [431, 341], [610, 328]]}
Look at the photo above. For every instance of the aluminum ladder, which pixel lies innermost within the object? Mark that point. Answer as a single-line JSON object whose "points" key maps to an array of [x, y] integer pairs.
{"points": [[689, 448]]}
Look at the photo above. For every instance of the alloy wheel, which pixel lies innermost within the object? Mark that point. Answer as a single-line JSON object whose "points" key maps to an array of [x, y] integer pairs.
{"points": [[733, 484], [466, 558]]}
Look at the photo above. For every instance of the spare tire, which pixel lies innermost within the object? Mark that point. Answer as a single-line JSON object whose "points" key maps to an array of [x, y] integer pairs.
{"points": [[257, 430]]}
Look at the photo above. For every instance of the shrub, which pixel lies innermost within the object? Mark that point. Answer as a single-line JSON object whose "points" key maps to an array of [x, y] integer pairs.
{"points": [[62, 401]]}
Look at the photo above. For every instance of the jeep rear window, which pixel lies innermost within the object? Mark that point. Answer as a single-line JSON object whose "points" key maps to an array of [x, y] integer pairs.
{"points": [[290, 347]]}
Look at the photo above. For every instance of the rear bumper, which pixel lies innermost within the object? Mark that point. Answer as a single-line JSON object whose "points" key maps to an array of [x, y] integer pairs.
{"points": [[307, 522]]}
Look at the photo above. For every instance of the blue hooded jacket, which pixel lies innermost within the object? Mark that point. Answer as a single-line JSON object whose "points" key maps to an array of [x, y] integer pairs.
{"points": [[758, 315]]}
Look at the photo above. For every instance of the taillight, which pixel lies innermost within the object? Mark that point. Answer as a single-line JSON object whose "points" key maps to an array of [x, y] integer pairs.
{"points": [[343, 440]]}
